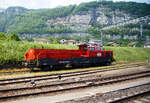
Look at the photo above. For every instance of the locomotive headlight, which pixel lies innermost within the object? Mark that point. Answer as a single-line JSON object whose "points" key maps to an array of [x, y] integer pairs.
{"points": [[99, 54]]}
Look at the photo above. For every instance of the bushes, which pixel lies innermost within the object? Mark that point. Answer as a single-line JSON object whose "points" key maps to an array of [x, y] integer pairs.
{"points": [[9, 37], [2, 36], [13, 37]]}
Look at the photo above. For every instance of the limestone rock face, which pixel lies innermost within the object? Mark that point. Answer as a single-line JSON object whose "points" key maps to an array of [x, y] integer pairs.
{"points": [[119, 36], [15, 10], [83, 20], [76, 22], [80, 19], [1, 10]]}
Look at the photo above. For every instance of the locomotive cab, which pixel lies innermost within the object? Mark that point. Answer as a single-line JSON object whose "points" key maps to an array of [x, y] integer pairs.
{"points": [[84, 50], [90, 50], [83, 47]]}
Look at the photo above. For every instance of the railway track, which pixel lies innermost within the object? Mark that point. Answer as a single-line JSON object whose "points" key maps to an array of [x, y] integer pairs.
{"points": [[28, 71], [63, 75], [58, 87], [137, 97], [15, 72], [136, 94]]}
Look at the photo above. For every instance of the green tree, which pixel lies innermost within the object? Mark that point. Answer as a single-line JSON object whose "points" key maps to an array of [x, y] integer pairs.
{"points": [[2, 36], [53, 40], [13, 37]]}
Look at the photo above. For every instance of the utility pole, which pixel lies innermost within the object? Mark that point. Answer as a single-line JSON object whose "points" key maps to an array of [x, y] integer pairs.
{"points": [[101, 38], [141, 30], [101, 29]]}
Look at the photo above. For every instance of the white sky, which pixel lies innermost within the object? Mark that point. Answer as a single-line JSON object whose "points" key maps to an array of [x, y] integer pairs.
{"points": [[36, 4]]}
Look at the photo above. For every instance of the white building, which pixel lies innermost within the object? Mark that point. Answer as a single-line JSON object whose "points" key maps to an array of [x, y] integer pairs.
{"points": [[94, 42], [147, 45]]}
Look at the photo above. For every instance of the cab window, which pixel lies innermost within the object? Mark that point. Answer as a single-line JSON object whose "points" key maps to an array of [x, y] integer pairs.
{"points": [[99, 49], [85, 49], [91, 48]]}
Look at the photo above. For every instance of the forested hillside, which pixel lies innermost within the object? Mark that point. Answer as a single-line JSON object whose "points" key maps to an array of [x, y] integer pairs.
{"points": [[72, 18]]}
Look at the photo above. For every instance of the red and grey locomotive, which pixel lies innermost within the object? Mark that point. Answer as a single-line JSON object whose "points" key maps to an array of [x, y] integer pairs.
{"points": [[86, 54]]}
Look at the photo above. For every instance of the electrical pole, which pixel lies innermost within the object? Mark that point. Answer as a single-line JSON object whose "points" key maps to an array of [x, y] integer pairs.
{"points": [[101, 38], [141, 30], [101, 28]]}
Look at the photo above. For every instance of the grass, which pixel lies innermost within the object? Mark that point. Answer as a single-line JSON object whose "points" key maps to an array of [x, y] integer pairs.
{"points": [[130, 54]]}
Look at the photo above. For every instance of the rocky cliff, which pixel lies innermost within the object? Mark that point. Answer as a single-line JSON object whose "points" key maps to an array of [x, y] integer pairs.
{"points": [[83, 20], [2, 10]]}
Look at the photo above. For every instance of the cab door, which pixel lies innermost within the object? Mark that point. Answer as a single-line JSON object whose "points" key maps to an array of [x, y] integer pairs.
{"points": [[92, 52], [84, 51]]}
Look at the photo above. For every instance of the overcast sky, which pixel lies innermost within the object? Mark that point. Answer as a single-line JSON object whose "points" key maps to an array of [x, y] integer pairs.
{"points": [[36, 4]]}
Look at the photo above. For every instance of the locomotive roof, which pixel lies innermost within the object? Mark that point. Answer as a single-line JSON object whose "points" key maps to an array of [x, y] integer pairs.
{"points": [[89, 45]]}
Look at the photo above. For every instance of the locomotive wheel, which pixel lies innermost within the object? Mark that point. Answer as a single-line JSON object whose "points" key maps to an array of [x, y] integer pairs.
{"points": [[108, 63], [31, 68], [46, 67]]}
